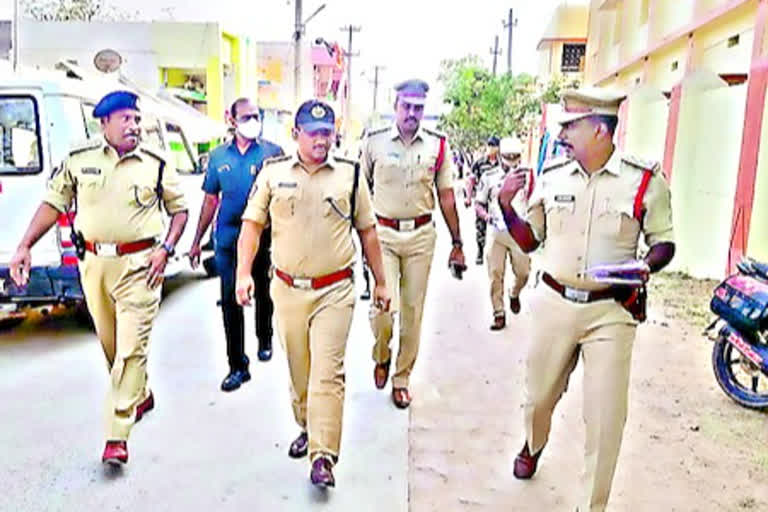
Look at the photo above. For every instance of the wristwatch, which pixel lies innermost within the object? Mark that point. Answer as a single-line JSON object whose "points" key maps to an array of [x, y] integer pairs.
{"points": [[168, 248]]}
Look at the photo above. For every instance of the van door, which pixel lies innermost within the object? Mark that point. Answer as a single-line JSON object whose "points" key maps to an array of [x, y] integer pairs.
{"points": [[24, 170]]}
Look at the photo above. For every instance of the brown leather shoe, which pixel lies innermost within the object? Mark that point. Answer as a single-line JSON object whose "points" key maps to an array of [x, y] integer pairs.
{"points": [[381, 374], [401, 397], [499, 322], [322, 472], [525, 463], [144, 407], [299, 446], [514, 305], [115, 453]]}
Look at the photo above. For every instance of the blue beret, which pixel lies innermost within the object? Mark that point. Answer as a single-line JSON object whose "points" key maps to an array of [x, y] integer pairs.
{"points": [[114, 101], [413, 91], [315, 115], [493, 141]]}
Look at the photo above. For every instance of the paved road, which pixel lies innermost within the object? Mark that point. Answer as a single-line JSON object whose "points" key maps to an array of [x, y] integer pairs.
{"points": [[200, 449]]}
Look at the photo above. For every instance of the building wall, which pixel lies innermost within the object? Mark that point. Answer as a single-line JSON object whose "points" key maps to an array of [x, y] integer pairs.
{"points": [[149, 49], [650, 47]]}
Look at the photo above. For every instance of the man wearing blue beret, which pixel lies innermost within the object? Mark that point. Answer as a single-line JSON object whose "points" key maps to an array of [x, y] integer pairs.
{"points": [[120, 187]]}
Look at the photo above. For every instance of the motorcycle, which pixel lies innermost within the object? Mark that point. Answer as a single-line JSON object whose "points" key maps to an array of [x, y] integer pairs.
{"points": [[740, 333]]}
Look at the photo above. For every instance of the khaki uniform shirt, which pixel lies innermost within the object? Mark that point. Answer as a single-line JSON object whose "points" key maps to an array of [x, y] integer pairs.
{"points": [[311, 232], [116, 196], [584, 221], [403, 176], [488, 194]]}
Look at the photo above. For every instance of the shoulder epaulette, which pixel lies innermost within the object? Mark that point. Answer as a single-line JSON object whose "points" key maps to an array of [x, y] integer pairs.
{"points": [[275, 159], [153, 154], [556, 163], [344, 160], [639, 163], [85, 145], [377, 132], [435, 133]]}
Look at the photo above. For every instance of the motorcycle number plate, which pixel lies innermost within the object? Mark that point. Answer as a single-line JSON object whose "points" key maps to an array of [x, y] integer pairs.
{"points": [[745, 349]]}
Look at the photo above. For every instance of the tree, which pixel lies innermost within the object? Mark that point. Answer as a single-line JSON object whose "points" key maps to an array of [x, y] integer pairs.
{"points": [[485, 105], [75, 10]]}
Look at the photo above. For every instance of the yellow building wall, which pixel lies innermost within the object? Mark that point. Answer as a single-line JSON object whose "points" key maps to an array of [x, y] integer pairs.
{"points": [[647, 124], [671, 16], [215, 91], [712, 46], [757, 245], [704, 178], [662, 73]]}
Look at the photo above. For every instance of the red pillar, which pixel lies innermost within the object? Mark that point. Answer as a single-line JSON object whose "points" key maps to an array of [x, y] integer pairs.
{"points": [[750, 146], [672, 124]]}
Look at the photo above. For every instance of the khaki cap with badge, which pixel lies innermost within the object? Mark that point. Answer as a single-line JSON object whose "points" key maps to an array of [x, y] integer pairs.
{"points": [[589, 101]]}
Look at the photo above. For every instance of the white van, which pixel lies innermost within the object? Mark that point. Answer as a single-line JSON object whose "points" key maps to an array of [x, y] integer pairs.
{"points": [[41, 119]]}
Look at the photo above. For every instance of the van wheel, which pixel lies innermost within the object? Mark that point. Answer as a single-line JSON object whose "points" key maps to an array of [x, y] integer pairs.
{"points": [[6, 324]]}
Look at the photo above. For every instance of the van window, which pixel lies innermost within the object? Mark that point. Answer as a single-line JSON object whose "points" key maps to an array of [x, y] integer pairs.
{"points": [[20, 147], [92, 125], [179, 150], [73, 119]]}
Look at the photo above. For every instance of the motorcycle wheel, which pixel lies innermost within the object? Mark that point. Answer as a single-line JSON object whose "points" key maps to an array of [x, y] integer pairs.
{"points": [[748, 390]]}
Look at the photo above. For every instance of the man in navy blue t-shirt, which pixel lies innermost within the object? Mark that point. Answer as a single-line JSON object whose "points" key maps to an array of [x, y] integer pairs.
{"points": [[232, 170]]}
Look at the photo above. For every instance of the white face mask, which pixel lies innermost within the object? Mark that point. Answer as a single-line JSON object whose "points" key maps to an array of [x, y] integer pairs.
{"points": [[250, 129]]}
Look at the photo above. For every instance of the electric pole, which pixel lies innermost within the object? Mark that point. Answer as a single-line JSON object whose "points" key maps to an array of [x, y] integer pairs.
{"points": [[495, 52], [348, 54], [376, 85], [298, 29], [510, 24]]}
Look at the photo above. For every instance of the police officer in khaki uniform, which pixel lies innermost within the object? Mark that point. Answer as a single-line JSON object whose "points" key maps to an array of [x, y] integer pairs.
{"points": [[405, 165], [314, 201], [587, 211], [120, 187], [502, 246]]}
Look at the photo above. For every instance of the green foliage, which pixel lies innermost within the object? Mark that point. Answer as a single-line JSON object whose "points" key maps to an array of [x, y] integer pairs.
{"points": [[74, 10], [485, 105]]}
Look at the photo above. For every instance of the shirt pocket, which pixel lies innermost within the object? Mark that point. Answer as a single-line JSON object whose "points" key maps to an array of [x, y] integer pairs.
{"points": [[611, 217], [90, 187], [560, 212], [337, 204], [227, 181], [284, 202], [143, 191], [390, 170], [425, 168]]}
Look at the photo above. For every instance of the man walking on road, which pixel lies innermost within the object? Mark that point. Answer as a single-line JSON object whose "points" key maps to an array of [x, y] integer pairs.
{"points": [[314, 201], [119, 187], [232, 170], [502, 245], [405, 164], [588, 212], [480, 167]]}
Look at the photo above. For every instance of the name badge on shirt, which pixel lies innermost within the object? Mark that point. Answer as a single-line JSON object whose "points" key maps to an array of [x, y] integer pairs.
{"points": [[565, 199], [286, 184], [90, 170], [254, 170]]}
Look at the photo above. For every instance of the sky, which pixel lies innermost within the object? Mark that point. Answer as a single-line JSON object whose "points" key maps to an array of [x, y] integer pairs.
{"points": [[408, 37]]}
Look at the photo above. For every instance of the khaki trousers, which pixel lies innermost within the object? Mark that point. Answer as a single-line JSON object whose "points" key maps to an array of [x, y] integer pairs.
{"points": [[313, 326], [123, 308], [503, 246], [603, 333], [407, 263]]}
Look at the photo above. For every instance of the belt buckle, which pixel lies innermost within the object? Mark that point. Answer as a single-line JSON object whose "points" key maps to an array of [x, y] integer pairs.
{"points": [[105, 249], [406, 225], [576, 295], [302, 283]]}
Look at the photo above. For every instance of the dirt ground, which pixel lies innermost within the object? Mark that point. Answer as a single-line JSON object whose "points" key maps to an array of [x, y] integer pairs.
{"points": [[687, 446]]}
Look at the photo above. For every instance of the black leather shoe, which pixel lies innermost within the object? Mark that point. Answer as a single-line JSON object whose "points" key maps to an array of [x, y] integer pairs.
{"points": [[322, 472], [479, 259], [366, 295], [299, 446], [265, 351], [235, 379], [514, 305]]}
